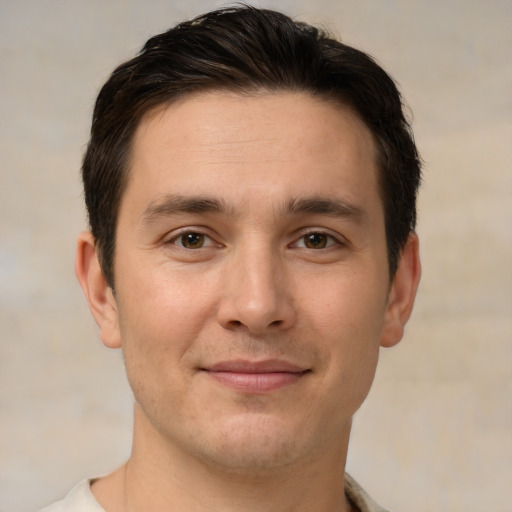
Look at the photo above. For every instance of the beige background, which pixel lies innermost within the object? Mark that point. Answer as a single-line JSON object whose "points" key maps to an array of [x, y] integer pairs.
{"points": [[436, 431]]}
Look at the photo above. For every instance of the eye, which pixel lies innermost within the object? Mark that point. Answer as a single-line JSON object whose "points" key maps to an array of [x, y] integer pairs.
{"points": [[192, 240], [316, 240]]}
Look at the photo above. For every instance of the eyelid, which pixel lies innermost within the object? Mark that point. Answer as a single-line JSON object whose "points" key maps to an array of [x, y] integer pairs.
{"points": [[175, 235], [338, 239]]}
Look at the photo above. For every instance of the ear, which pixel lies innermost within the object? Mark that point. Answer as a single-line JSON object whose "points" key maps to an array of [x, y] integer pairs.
{"points": [[402, 293], [98, 293]]}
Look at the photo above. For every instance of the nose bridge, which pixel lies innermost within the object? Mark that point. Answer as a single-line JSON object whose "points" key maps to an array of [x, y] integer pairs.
{"points": [[258, 277], [256, 295]]}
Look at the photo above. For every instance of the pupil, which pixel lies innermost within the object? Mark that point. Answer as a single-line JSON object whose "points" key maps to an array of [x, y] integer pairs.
{"points": [[192, 240], [316, 240]]}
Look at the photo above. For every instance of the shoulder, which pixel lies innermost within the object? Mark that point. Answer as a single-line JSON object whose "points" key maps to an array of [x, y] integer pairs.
{"points": [[359, 497], [79, 499]]}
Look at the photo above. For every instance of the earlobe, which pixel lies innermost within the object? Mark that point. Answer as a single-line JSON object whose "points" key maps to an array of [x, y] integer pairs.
{"points": [[402, 293], [97, 292]]}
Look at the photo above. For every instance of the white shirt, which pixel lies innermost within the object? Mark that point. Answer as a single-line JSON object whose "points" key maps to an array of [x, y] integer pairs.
{"points": [[81, 499]]}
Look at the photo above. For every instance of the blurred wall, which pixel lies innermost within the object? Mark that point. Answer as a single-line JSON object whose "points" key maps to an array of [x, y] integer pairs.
{"points": [[435, 433]]}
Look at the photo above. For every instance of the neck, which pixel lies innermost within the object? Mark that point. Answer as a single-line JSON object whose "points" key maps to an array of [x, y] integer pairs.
{"points": [[158, 476]]}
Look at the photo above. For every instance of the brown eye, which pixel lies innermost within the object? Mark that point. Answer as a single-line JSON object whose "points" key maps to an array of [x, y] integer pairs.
{"points": [[316, 240], [191, 240]]}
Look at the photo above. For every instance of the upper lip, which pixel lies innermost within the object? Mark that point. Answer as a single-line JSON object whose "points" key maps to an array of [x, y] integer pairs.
{"points": [[265, 366]]}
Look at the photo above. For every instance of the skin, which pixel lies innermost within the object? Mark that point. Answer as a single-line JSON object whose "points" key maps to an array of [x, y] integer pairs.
{"points": [[251, 230]]}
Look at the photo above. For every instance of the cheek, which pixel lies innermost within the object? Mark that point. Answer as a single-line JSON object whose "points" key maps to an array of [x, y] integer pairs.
{"points": [[347, 320], [158, 332], [167, 301], [160, 320], [347, 305]]}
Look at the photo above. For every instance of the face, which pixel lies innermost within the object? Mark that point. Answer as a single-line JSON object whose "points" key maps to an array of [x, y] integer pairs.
{"points": [[252, 286]]}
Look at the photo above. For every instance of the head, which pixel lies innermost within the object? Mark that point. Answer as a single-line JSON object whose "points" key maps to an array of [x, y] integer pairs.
{"points": [[251, 187], [247, 50]]}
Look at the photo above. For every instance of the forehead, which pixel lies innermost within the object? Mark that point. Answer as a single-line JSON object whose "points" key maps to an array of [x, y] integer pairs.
{"points": [[216, 116], [267, 142]]}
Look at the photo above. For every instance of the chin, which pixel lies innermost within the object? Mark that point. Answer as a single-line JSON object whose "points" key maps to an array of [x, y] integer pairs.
{"points": [[244, 445], [253, 458]]}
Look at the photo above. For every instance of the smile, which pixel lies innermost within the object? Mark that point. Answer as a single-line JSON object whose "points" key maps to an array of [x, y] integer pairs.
{"points": [[256, 377]]}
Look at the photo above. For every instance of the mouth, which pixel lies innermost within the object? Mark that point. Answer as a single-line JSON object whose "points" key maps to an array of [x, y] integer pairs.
{"points": [[256, 376]]}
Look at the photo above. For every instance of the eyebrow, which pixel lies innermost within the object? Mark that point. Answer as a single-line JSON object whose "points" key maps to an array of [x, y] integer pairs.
{"points": [[172, 204], [333, 207]]}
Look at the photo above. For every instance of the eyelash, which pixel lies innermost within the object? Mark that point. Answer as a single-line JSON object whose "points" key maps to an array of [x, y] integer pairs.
{"points": [[330, 240], [179, 236]]}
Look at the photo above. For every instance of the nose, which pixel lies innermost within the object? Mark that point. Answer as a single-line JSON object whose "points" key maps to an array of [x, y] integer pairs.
{"points": [[256, 294]]}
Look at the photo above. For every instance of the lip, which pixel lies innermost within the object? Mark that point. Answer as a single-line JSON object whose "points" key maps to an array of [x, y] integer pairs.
{"points": [[256, 376]]}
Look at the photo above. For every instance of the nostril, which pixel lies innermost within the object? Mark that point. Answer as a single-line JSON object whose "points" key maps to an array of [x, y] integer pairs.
{"points": [[237, 323]]}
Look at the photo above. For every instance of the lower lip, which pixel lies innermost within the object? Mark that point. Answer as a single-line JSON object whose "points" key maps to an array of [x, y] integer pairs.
{"points": [[256, 382]]}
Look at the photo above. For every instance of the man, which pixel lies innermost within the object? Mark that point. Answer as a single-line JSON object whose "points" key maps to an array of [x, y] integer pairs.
{"points": [[251, 188]]}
